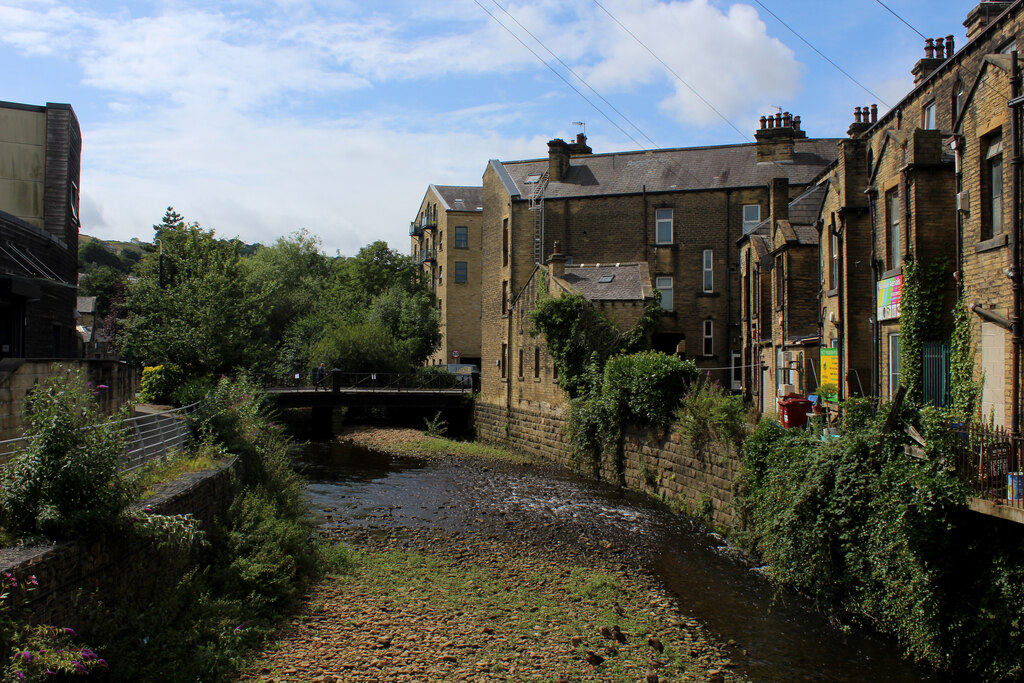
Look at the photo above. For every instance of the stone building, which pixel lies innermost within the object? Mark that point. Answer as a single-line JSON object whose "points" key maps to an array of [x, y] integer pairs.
{"points": [[779, 297], [446, 242], [40, 162], [680, 211]]}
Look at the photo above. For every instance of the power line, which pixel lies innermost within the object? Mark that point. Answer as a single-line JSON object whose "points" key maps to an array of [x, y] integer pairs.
{"points": [[555, 71], [901, 19], [578, 77], [822, 54]]}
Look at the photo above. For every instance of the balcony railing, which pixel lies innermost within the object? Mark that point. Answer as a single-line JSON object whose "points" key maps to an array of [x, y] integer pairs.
{"points": [[426, 256], [988, 462], [417, 227]]}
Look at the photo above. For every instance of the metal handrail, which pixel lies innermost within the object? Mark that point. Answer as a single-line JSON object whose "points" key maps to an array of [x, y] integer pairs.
{"points": [[372, 381], [147, 436]]}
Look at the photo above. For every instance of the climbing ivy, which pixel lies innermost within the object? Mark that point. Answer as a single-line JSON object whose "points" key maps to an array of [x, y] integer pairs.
{"points": [[964, 389], [920, 319]]}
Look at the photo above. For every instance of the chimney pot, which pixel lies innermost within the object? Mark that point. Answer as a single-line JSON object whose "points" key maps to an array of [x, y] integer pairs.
{"points": [[558, 247], [874, 113], [796, 122], [787, 120], [763, 123], [778, 120], [949, 46], [856, 114], [940, 48], [929, 48]]}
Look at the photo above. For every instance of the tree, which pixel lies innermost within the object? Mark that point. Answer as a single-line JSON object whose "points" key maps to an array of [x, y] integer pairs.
{"points": [[202, 314]]}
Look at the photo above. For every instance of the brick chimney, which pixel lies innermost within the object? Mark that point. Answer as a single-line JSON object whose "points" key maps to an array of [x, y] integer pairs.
{"points": [[580, 146], [556, 261], [936, 51], [980, 17], [779, 200], [776, 135], [558, 160], [863, 118]]}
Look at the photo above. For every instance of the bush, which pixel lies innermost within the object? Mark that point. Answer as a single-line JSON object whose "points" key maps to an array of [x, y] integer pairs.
{"points": [[645, 388], [193, 390], [159, 382], [66, 481], [709, 413]]}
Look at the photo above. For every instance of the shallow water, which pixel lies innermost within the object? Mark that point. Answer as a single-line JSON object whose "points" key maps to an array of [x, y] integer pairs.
{"points": [[778, 636]]}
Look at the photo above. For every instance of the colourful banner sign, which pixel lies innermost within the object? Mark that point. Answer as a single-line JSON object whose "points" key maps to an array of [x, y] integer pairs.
{"points": [[889, 292], [829, 357]]}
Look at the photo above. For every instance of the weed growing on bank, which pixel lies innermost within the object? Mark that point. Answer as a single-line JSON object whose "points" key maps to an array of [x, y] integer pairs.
{"points": [[191, 605], [886, 538]]}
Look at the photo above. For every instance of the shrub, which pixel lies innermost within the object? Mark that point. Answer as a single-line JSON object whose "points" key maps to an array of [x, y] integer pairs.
{"points": [[645, 388], [193, 390], [159, 382], [66, 481], [709, 413]]}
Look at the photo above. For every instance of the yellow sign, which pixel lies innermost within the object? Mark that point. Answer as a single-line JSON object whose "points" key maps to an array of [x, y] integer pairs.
{"points": [[830, 372]]}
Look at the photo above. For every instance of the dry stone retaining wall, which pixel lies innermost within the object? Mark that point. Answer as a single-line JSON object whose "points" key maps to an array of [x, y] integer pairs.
{"points": [[664, 466]]}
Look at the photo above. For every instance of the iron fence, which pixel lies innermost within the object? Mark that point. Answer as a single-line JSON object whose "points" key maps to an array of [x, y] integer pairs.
{"points": [[988, 461], [371, 381], [147, 437]]}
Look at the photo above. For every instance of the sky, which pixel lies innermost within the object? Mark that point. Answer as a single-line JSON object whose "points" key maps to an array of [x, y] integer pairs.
{"points": [[260, 118]]}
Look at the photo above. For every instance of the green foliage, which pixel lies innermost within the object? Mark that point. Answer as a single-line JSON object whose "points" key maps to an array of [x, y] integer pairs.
{"points": [[437, 426], [159, 382], [66, 481], [884, 537], [964, 389], [193, 306], [708, 413], [47, 653], [577, 334], [362, 346], [192, 390], [646, 387], [921, 306], [104, 283]]}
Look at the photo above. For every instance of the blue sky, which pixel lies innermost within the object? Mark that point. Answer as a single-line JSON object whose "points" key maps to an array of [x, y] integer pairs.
{"points": [[257, 119]]}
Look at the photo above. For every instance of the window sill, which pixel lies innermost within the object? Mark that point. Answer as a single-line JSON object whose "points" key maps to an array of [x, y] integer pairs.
{"points": [[536, 380], [709, 294], [990, 244], [832, 292], [665, 245]]}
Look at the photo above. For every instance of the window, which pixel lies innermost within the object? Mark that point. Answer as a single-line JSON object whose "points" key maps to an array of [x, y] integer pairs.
{"points": [[504, 242], [520, 363], [709, 270], [958, 98], [780, 281], [440, 275], [663, 226], [536, 362], [894, 363], [709, 338], [992, 190], [892, 217], [504, 297], [664, 285], [440, 240], [461, 237], [928, 116], [461, 272], [501, 361], [751, 216], [736, 367], [833, 252]]}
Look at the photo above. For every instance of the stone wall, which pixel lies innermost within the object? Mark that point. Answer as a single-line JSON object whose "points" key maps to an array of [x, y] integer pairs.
{"points": [[73, 573], [17, 376], [663, 466]]}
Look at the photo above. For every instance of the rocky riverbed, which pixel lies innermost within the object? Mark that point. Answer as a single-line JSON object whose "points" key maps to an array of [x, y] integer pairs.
{"points": [[424, 604]]}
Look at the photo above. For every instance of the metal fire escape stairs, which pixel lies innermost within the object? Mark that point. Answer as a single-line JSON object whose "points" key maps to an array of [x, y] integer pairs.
{"points": [[537, 207]]}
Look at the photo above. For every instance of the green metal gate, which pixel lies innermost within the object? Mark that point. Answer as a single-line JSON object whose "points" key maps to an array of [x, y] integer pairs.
{"points": [[936, 374]]}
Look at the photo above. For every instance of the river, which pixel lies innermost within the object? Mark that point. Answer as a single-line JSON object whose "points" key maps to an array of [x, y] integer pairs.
{"points": [[776, 635]]}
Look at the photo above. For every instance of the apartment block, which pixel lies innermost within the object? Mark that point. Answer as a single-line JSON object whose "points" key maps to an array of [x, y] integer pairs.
{"points": [[446, 241]]}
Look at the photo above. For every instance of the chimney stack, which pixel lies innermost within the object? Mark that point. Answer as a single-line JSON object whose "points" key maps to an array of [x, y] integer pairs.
{"points": [[982, 15], [556, 261], [776, 135], [779, 200], [558, 160], [863, 118], [936, 51]]}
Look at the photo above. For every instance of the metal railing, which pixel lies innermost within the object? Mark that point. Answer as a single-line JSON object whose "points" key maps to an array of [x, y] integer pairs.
{"points": [[147, 437], [988, 461], [372, 381]]}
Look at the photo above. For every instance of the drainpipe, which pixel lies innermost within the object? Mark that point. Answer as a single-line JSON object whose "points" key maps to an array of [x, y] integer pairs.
{"points": [[1015, 239], [876, 328]]}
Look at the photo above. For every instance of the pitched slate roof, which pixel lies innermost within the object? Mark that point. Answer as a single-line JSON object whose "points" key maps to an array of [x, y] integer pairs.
{"points": [[624, 281], [666, 170], [461, 197], [86, 304]]}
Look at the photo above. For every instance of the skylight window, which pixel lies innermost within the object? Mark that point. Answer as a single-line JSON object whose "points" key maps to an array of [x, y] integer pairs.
{"points": [[530, 180], [607, 278]]}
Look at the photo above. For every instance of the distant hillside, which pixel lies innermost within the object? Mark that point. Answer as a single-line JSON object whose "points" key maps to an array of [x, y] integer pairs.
{"points": [[113, 245]]}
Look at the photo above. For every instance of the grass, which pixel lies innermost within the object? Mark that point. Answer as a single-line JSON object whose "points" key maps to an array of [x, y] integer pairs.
{"points": [[434, 445], [177, 463]]}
